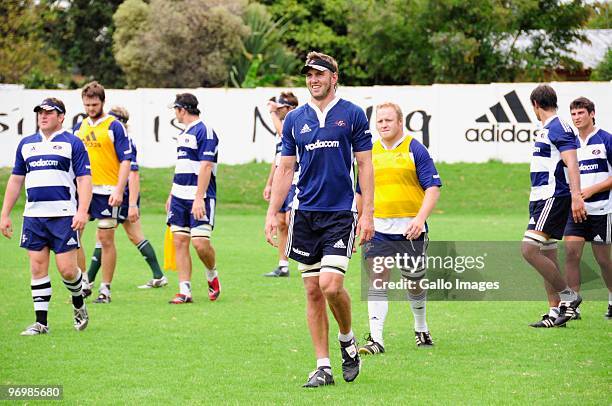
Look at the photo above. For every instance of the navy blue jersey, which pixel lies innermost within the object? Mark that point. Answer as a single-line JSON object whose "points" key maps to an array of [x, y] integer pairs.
{"points": [[324, 144]]}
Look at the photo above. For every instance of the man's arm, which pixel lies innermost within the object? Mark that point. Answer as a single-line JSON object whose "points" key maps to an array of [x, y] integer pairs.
{"points": [[197, 209], [283, 176], [278, 124], [571, 161], [133, 191], [365, 225], [116, 198], [432, 194], [11, 194], [268, 188], [84, 190]]}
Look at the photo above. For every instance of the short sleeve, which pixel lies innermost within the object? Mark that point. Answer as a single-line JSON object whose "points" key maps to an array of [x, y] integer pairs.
{"points": [[207, 144], [564, 140], [362, 136], [607, 139], [20, 165], [80, 158], [123, 147], [134, 162], [425, 168], [289, 146]]}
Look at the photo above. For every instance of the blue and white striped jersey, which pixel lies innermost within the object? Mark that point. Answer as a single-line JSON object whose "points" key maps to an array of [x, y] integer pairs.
{"points": [[51, 166], [595, 161], [548, 171], [195, 144], [324, 144]]}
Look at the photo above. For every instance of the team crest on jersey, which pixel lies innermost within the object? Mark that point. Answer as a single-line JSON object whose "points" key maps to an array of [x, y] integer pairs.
{"points": [[341, 123], [596, 152], [57, 147]]}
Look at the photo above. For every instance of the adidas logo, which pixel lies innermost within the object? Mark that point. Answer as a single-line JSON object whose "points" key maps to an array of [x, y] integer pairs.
{"points": [[339, 244], [106, 212], [509, 123], [305, 129], [71, 241], [532, 221], [597, 238]]}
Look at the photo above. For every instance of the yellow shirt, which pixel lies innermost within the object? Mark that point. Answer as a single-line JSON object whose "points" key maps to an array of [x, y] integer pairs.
{"points": [[397, 191], [107, 145]]}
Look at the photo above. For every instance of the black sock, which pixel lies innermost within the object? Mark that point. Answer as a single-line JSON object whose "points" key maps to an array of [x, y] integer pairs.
{"points": [[147, 251], [41, 296], [75, 288]]}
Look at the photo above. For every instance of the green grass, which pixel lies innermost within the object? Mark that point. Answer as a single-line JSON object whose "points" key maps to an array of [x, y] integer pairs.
{"points": [[253, 346]]}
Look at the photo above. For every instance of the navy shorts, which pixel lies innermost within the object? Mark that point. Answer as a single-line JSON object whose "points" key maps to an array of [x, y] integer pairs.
{"points": [[389, 245], [287, 203], [550, 216], [180, 213], [596, 228], [100, 209], [52, 232], [314, 234]]}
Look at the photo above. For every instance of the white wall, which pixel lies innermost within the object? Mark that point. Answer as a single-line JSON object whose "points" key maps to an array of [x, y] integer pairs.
{"points": [[445, 114]]}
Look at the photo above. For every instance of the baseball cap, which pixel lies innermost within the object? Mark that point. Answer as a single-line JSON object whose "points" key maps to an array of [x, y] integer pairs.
{"points": [[318, 64], [50, 104], [283, 102]]}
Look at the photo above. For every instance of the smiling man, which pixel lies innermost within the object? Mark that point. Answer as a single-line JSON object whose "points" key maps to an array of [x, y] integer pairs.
{"points": [[327, 134]]}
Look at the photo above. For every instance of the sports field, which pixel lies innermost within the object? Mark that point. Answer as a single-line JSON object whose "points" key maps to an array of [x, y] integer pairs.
{"points": [[253, 346]]}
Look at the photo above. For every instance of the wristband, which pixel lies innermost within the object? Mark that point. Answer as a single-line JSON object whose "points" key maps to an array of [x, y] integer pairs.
{"points": [[133, 205]]}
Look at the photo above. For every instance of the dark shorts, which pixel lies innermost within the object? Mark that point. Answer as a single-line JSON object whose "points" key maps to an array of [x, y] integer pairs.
{"points": [[314, 234], [596, 228], [287, 203], [180, 213], [411, 252], [550, 216], [100, 209], [52, 232]]}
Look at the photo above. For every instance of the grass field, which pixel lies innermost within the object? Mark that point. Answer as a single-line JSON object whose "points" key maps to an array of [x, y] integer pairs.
{"points": [[252, 345]]}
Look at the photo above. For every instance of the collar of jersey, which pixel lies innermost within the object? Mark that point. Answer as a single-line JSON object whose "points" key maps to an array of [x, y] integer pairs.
{"points": [[549, 120], [322, 114], [101, 119], [192, 124], [588, 137], [397, 143], [45, 139]]}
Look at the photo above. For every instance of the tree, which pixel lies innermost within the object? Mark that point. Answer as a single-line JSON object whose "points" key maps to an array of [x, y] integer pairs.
{"points": [[469, 41], [184, 43], [83, 32], [264, 60], [23, 50], [603, 71]]}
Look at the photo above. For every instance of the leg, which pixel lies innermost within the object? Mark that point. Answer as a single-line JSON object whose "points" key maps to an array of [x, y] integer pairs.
{"points": [[96, 262], [545, 267], [109, 254], [378, 306], [316, 316], [41, 284], [573, 253], [205, 251], [331, 284], [71, 275], [602, 252], [136, 236], [183, 262]]}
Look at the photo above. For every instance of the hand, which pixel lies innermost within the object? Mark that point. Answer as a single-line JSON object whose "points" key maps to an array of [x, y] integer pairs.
{"points": [[168, 203], [271, 230], [365, 228], [133, 214], [586, 193], [79, 221], [415, 229], [267, 192], [6, 227], [198, 210], [578, 211], [115, 199], [272, 106]]}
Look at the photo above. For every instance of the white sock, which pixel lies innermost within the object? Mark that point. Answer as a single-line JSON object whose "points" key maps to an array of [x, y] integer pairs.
{"points": [[345, 338], [610, 298], [283, 263], [185, 288], [553, 312], [85, 278], [418, 305], [378, 307], [568, 295], [323, 363], [211, 274], [105, 288]]}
